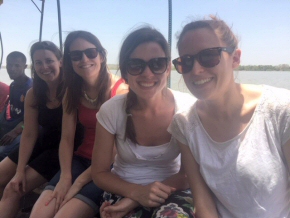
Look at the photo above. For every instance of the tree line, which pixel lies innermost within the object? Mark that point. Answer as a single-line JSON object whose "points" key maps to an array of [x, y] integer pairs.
{"points": [[281, 67]]}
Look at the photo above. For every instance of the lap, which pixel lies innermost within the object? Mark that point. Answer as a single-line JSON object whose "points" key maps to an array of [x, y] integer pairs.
{"points": [[43, 160], [179, 204], [90, 193]]}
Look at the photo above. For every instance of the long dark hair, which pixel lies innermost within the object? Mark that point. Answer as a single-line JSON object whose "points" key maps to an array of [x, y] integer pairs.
{"points": [[73, 82], [133, 40], [40, 88]]}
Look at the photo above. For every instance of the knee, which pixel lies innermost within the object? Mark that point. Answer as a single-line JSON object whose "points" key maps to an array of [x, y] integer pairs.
{"points": [[9, 192]]}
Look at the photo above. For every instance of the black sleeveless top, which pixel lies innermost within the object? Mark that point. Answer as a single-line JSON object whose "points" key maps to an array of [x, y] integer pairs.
{"points": [[50, 121]]}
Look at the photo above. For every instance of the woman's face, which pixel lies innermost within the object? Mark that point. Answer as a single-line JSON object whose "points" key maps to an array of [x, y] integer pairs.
{"points": [[205, 83], [87, 68], [46, 65], [147, 84]]}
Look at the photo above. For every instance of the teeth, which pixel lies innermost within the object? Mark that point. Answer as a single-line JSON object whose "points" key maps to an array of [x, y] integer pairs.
{"points": [[85, 66], [146, 84], [45, 73], [200, 82]]}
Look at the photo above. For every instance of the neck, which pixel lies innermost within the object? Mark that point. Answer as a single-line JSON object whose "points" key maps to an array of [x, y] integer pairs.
{"points": [[154, 103], [21, 78], [226, 106], [52, 87]]}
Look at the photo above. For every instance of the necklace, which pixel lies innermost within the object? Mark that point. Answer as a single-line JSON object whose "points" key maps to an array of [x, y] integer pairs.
{"points": [[92, 101]]}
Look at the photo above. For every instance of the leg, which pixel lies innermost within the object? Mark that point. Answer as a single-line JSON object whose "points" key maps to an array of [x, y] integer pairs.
{"points": [[7, 171], [40, 209], [6, 149], [179, 204], [76, 208], [9, 203]]}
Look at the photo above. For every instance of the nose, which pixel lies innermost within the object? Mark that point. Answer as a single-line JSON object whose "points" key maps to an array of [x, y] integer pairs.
{"points": [[197, 68], [147, 72], [45, 65], [84, 57]]}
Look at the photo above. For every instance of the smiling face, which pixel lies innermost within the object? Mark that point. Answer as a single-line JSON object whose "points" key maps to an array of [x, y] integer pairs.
{"points": [[86, 68], [46, 65], [205, 83], [147, 85]]}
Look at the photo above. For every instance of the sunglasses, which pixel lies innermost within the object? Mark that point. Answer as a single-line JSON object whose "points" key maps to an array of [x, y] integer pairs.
{"points": [[136, 66], [77, 55], [207, 58]]}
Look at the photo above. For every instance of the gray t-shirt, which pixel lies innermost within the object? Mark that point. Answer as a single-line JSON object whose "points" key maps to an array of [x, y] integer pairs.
{"points": [[247, 174]]}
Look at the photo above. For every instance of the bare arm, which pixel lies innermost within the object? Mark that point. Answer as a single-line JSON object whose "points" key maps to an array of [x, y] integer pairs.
{"points": [[66, 148], [28, 138], [178, 181], [149, 195], [202, 198], [8, 138]]}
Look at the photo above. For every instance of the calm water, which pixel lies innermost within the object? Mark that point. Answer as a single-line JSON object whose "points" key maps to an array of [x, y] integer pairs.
{"points": [[273, 78]]}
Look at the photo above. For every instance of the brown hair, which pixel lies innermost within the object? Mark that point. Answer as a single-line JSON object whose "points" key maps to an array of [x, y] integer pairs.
{"points": [[132, 41], [73, 82], [223, 31]]}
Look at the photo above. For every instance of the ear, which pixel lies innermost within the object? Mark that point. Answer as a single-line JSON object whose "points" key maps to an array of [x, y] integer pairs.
{"points": [[236, 58], [169, 68], [60, 62], [101, 57]]}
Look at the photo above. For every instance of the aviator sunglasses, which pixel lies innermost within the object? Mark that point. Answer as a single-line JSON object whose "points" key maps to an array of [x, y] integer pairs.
{"points": [[77, 55], [136, 66], [207, 58]]}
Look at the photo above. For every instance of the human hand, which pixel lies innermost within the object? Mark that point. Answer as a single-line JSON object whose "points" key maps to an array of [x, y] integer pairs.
{"points": [[152, 195], [18, 182], [59, 193], [74, 189], [118, 210], [8, 138]]}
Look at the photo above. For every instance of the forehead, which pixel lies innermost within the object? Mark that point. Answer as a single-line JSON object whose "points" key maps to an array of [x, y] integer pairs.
{"points": [[43, 54], [80, 44], [196, 40], [148, 50], [17, 60]]}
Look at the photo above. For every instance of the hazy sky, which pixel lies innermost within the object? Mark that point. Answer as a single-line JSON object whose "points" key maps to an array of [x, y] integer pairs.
{"points": [[263, 26]]}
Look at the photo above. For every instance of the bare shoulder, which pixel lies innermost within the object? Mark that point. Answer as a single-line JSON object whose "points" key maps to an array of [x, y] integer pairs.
{"points": [[122, 88], [30, 97]]}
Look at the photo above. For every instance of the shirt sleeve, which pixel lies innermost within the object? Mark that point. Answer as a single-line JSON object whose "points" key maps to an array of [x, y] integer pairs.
{"points": [[284, 120], [176, 128], [106, 116]]}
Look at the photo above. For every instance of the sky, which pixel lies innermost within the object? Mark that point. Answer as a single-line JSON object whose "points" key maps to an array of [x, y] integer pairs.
{"points": [[262, 26]]}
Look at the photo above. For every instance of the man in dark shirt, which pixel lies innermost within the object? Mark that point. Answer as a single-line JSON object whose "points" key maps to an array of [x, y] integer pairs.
{"points": [[11, 120]]}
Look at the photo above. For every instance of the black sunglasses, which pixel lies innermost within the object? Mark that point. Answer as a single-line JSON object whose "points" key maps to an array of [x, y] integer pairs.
{"points": [[136, 66], [207, 58], [77, 55]]}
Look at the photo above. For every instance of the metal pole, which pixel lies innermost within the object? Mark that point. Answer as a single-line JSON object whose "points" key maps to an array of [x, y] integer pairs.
{"points": [[2, 50], [169, 35], [41, 19], [59, 25]]}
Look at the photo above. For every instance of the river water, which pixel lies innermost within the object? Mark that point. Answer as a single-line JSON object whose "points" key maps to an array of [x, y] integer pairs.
{"points": [[274, 78]]}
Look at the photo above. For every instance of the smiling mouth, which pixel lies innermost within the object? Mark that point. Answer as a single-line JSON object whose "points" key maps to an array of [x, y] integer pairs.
{"points": [[46, 73], [203, 81], [147, 84], [86, 66]]}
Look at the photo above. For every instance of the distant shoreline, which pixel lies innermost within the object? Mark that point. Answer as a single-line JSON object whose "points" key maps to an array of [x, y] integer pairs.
{"points": [[281, 67]]}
